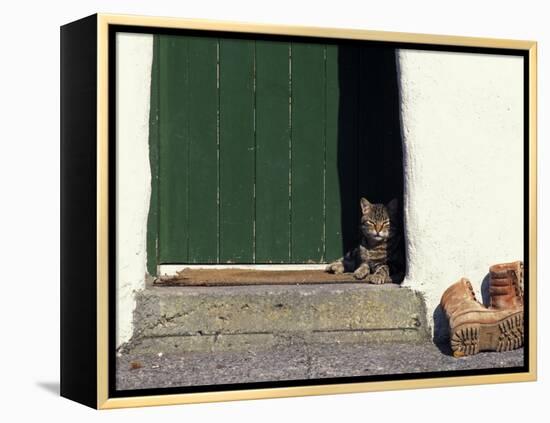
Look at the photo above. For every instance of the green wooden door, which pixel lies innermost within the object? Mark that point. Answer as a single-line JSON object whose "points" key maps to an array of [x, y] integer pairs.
{"points": [[254, 150]]}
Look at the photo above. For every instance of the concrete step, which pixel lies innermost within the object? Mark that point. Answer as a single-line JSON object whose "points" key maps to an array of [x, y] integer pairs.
{"points": [[235, 318]]}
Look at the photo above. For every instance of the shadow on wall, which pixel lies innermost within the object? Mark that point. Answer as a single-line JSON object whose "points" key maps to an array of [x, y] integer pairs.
{"points": [[441, 331], [485, 295], [370, 155]]}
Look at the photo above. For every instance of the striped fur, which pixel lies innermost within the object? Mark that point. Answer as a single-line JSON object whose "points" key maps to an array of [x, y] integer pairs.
{"points": [[378, 258]]}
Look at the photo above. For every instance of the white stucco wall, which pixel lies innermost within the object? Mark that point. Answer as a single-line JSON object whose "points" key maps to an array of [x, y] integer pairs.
{"points": [[463, 133], [462, 118], [134, 59]]}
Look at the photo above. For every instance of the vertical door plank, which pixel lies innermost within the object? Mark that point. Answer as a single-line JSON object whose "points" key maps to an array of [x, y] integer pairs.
{"points": [[308, 152], [272, 152], [203, 150], [153, 217], [341, 203], [173, 173], [236, 150]]}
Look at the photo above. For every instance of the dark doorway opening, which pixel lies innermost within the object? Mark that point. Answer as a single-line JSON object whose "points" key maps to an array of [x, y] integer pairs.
{"points": [[370, 156]]}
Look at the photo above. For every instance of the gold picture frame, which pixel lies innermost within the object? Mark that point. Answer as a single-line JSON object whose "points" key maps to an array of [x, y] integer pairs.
{"points": [[97, 394]]}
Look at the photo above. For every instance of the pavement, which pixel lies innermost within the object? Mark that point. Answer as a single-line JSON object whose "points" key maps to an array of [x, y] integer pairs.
{"points": [[297, 361]]}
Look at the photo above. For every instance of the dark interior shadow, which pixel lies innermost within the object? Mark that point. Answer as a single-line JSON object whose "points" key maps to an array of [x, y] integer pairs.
{"points": [[370, 156], [441, 331], [51, 387], [485, 296]]}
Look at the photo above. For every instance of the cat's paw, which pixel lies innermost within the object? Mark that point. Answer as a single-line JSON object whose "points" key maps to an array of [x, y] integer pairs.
{"points": [[336, 267], [361, 273], [376, 279]]}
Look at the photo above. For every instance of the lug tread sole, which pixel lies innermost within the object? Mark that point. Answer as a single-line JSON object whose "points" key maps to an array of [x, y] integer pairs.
{"points": [[504, 335]]}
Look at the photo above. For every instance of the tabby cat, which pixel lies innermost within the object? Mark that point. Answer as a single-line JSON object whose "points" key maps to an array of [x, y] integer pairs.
{"points": [[379, 257]]}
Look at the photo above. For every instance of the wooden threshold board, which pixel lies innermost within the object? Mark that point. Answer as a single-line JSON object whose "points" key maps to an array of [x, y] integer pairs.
{"points": [[226, 277]]}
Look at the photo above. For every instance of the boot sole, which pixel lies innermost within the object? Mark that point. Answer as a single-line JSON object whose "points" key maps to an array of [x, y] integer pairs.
{"points": [[503, 335]]}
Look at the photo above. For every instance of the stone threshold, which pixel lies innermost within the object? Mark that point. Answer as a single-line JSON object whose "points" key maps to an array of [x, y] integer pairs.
{"points": [[255, 317]]}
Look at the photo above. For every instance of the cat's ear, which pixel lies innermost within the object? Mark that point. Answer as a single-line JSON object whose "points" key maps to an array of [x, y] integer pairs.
{"points": [[365, 205], [393, 206]]}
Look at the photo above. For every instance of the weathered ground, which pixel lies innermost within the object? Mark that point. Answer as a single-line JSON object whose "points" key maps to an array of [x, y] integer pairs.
{"points": [[297, 361], [308, 325]]}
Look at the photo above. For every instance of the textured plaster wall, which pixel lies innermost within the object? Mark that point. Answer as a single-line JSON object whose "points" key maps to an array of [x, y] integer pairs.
{"points": [[462, 120], [134, 58], [462, 129]]}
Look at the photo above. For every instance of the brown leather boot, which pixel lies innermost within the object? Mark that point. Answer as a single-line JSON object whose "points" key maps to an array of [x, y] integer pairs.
{"points": [[506, 285], [475, 328]]}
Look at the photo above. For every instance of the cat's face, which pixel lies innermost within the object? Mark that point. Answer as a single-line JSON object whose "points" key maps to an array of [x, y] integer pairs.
{"points": [[378, 221]]}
